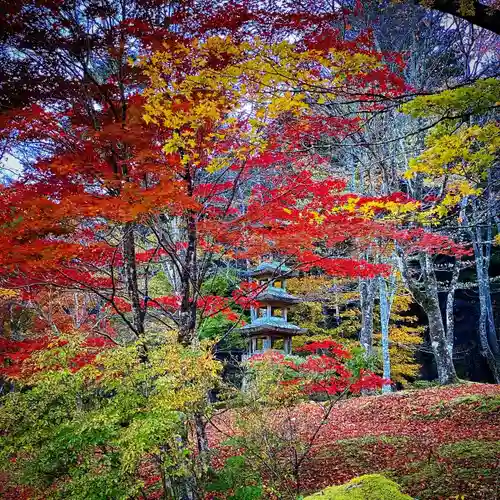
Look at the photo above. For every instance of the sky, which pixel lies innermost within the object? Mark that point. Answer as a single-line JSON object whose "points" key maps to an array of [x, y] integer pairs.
{"points": [[10, 167]]}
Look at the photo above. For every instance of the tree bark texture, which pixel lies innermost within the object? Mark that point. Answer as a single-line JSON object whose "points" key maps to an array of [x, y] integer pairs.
{"points": [[130, 268], [488, 338], [367, 300], [385, 303], [189, 276], [425, 293]]}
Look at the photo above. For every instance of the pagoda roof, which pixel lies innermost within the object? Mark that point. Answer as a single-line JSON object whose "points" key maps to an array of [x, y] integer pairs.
{"points": [[274, 294], [273, 268], [269, 325]]}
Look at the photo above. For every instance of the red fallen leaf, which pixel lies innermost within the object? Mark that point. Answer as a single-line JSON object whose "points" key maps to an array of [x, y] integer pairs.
{"points": [[402, 436]]}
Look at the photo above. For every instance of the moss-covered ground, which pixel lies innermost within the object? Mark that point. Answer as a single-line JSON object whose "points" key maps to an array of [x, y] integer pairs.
{"points": [[437, 443]]}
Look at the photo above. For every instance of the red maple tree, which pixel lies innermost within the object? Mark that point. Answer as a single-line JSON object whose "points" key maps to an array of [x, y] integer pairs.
{"points": [[103, 206]]}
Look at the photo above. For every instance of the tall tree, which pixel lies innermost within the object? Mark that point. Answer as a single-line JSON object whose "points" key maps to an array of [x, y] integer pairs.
{"points": [[105, 183], [461, 161]]}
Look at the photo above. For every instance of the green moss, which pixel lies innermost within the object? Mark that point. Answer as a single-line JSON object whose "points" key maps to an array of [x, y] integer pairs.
{"points": [[469, 465], [480, 402], [368, 487], [476, 402], [357, 453], [422, 384], [373, 440], [477, 450]]}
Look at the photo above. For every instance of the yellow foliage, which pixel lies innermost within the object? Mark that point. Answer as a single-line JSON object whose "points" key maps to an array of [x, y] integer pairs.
{"points": [[5, 293], [405, 334], [392, 209], [198, 89], [318, 292], [467, 152], [309, 285], [458, 156]]}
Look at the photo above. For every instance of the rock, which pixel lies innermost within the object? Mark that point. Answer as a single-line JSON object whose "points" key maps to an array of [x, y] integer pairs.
{"points": [[367, 487]]}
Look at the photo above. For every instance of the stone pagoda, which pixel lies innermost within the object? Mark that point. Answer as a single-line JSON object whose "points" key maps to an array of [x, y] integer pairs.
{"points": [[269, 327]]}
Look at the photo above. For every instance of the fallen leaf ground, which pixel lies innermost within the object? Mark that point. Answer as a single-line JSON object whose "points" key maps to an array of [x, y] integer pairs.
{"points": [[438, 443]]}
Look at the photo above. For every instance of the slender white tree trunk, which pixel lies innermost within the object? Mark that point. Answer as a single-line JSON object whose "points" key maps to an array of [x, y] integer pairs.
{"points": [[386, 297], [367, 299]]}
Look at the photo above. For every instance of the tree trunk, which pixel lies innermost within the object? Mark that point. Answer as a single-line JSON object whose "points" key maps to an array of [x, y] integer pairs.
{"points": [[385, 304], [131, 278], [443, 351], [487, 332], [202, 443], [425, 293], [450, 303], [189, 276], [130, 266], [367, 299], [488, 340]]}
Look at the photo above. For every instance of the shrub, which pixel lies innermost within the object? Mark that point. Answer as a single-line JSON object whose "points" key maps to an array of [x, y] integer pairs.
{"points": [[423, 384], [237, 480], [90, 431]]}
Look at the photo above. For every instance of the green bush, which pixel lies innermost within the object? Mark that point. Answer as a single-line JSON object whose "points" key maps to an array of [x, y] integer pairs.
{"points": [[368, 487], [159, 285], [221, 283], [217, 328], [87, 433], [238, 477]]}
